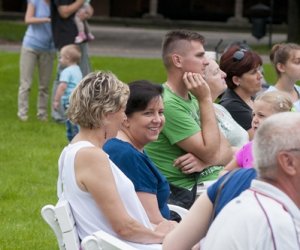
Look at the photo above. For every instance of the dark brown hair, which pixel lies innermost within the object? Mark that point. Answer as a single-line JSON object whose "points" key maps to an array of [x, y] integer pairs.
{"points": [[233, 67]]}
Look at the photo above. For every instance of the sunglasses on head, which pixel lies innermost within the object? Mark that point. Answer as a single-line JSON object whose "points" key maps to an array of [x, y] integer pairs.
{"points": [[239, 55]]}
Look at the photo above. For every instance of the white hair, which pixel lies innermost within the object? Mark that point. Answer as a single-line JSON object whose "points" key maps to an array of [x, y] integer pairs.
{"points": [[278, 132]]}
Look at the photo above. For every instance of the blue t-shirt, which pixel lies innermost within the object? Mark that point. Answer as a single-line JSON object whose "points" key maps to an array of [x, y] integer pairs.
{"points": [[72, 76], [39, 36], [236, 184], [140, 170]]}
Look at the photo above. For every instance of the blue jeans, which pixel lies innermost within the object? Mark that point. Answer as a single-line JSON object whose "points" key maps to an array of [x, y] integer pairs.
{"points": [[72, 129]]}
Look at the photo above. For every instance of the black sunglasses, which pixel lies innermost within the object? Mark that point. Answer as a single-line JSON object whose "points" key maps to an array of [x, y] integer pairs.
{"points": [[239, 55]]}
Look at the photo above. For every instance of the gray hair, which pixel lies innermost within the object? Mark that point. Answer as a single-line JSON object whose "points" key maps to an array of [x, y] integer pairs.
{"points": [[96, 95], [278, 132]]}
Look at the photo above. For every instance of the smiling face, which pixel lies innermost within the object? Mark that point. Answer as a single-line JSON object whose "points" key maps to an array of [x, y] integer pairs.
{"points": [[261, 111], [144, 126]]}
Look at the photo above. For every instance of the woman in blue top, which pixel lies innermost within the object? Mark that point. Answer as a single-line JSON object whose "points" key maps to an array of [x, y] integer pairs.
{"points": [[37, 50], [144, 122]]}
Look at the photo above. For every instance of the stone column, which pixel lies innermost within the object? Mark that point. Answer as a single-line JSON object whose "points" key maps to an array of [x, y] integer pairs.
{"points": [[153, 5], [238, 14]]}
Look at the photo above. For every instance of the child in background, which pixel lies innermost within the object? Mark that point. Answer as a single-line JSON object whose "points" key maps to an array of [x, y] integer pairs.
{"points": [[70, 76], [81, 16], [265, 105]]}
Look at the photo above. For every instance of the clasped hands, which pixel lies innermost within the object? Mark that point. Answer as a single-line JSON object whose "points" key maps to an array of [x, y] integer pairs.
{"points": [[188, 164]]}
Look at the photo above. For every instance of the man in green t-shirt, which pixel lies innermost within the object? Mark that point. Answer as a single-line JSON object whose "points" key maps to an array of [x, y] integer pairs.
{"points": [[189, 143]]}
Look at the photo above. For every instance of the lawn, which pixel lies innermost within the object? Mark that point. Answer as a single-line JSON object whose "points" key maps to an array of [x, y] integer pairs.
{"points": [[30, 150]]}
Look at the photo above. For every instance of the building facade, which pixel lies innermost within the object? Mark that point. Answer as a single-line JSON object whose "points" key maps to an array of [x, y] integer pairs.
{"points": [[197, 10]]}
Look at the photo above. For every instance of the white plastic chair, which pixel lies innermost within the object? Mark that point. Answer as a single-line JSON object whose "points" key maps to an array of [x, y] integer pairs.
{"points": [[61, 221], [104, 241], [179, 210]]}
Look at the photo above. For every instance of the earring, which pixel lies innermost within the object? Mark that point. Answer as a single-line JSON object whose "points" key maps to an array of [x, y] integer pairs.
{"points": [[105, 133]]}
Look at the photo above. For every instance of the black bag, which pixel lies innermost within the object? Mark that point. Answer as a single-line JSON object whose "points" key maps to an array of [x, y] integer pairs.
{"points": [[183, 197]]}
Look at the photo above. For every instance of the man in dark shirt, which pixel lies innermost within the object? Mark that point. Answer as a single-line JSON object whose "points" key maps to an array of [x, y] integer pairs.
{"points": [[64, 32]]}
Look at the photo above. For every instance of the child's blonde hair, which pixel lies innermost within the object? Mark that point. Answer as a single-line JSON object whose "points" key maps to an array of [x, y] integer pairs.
{"points": [[73, 52], [280, 101]]}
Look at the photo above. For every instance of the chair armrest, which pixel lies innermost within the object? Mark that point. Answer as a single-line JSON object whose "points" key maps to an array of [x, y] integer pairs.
{"points": [[104, 241], [180, 210]]}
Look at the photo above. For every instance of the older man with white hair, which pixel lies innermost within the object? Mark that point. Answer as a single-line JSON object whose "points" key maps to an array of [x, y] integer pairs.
{"points": [[267, 215]]}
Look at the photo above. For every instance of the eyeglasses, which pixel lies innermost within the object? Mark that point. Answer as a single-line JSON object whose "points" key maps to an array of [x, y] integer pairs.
{"points": [[239, 55]]}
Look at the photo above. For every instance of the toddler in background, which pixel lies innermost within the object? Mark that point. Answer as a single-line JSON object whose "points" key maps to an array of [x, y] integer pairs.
{"points": [[81, 17], [70, 76], [265, 105]]}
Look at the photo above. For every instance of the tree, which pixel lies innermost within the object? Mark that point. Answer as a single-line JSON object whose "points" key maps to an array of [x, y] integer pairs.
{"points": [[293, 21]]}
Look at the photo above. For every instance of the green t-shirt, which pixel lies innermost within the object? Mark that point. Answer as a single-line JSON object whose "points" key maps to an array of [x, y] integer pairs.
{"points": [[182, 121]]}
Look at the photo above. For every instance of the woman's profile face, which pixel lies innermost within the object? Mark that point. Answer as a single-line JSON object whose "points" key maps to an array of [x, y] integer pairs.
{"points": [[215, 78], [113, 122], [250, 82], [292, 67]]}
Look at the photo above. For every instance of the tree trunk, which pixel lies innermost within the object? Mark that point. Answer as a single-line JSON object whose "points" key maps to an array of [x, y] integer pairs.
{"points": [[293, 21]]}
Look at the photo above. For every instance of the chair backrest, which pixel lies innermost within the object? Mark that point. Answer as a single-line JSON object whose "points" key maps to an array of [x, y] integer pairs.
{"points": [[61, 221]]}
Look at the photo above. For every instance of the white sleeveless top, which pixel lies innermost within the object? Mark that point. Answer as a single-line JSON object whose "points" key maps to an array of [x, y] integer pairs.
{"points": [[88, 216]]}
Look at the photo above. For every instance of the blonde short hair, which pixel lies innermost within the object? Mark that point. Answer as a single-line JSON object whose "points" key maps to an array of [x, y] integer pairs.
{"points": [[279, 100], [96, 95], [73, 52]]}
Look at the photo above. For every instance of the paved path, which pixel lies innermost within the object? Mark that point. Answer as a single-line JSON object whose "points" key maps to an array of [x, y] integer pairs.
{"points": [[146, 43]]}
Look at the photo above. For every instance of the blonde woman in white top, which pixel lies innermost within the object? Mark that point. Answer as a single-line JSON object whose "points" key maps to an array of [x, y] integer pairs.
{"points": [[101, 196]]}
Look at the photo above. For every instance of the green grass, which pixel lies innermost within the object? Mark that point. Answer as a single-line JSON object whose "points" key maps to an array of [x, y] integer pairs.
{"points": [[269, 73], [30, 150], [12, 31]]}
